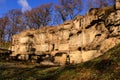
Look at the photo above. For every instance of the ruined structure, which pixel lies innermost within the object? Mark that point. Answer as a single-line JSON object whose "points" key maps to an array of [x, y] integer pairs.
{"points": [[75, 41]]}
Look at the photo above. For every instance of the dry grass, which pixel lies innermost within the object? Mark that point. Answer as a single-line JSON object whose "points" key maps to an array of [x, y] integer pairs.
{"points": [[106, 67]]}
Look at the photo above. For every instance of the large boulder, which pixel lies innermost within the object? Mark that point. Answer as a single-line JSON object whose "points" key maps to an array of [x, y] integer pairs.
{"points": [[75, 57]]}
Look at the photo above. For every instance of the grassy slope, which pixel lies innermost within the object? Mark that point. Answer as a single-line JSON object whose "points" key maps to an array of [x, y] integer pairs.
{"points": [[106, 67]]}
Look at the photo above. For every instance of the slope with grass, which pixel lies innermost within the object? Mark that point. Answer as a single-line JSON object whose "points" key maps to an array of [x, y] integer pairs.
{"points": [[105, 67]]}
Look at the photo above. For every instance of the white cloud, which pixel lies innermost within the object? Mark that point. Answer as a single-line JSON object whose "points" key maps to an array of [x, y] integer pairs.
{"points": [[24, 4]]}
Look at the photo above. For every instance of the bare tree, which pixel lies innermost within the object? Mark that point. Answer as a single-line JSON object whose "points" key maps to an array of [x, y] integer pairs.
{"points": [[99, 3], [39, 17], [14, 21], [68, 9]]}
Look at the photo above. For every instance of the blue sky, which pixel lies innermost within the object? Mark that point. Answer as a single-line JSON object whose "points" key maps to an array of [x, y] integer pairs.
{"points": [[6, 5]]}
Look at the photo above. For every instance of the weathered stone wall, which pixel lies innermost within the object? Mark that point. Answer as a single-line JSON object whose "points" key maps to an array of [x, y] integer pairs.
{"points": [[83, 38]]}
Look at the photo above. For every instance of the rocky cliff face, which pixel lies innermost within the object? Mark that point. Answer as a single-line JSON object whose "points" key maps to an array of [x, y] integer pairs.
{"points": [[77, 40]]}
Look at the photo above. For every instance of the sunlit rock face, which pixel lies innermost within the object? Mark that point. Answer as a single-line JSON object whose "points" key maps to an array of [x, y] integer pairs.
{"points": [[117, 4], [78, 40]]}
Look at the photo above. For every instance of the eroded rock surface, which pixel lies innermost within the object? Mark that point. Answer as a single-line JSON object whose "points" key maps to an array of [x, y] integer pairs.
{"points": [[77, 40]]}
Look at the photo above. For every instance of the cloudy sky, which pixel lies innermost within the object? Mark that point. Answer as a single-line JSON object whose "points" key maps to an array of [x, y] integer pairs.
{"points": [[6, 5]]}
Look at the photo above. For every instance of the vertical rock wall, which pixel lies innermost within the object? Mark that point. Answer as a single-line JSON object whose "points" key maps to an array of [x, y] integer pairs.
{"points": [[82, 39]]}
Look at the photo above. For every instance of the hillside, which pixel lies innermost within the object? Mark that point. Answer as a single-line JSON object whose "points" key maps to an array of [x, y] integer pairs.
{"points": [[85, 48], [105, 67]]}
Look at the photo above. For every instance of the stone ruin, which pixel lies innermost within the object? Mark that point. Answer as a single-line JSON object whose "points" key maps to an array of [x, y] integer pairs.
{"points": [[75, 41]]}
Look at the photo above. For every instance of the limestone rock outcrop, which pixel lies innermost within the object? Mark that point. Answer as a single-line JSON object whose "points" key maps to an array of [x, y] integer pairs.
{"points": [[75, 41]]}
